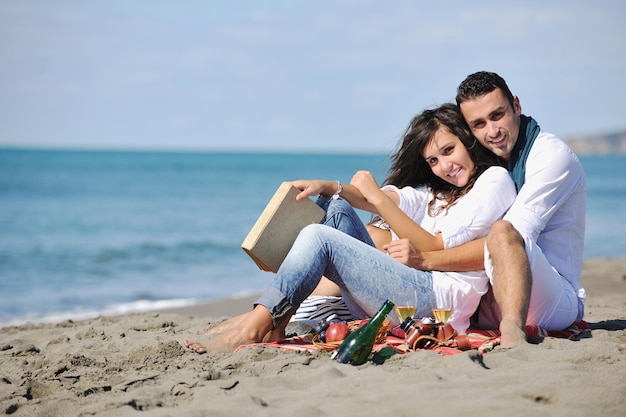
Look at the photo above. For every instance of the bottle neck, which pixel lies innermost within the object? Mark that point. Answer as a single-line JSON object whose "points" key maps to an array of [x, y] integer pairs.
{"points": [[382, 313]]}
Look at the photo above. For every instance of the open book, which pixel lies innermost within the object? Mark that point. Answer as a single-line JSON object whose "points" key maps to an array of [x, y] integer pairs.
{"points": [[273, 234]]}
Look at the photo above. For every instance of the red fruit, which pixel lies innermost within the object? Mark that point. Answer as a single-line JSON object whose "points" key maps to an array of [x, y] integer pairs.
{"points": [[336, 332]]}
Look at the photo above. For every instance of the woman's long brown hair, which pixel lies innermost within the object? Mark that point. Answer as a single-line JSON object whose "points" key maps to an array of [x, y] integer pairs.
{"points": [[409, 168]]}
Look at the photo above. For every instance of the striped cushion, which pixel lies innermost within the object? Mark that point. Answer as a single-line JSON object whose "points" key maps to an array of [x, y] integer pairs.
{"points": [[318, 307]]}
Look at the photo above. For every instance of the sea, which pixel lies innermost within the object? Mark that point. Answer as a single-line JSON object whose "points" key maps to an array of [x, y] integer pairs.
{"points": [[88, 233]]}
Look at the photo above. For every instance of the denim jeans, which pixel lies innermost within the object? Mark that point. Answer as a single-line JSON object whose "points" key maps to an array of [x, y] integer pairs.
{"points": [[346, 255], [340, 215]]}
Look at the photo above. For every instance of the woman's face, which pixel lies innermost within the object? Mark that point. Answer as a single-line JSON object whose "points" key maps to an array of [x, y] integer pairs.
{"points": [[448, 158]]}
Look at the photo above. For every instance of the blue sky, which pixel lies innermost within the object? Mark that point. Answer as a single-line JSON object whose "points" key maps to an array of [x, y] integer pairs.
{"points": [[319, 76]]}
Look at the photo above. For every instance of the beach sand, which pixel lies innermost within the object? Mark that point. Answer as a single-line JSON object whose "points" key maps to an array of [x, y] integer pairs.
{"points": [[136, 365]]}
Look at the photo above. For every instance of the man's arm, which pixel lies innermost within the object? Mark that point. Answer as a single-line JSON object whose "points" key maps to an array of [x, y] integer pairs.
{"points": [[467, 257]]}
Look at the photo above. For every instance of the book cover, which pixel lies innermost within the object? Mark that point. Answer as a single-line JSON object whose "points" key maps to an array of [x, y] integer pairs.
{"points": [[273, 234]]}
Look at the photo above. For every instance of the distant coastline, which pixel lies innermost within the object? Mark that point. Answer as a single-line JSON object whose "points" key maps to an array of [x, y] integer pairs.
{"points": [[600, 145]]}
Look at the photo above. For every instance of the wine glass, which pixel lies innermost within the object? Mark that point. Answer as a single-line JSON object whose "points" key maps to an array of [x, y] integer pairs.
{"points": [[405, 302], [443, 311]]}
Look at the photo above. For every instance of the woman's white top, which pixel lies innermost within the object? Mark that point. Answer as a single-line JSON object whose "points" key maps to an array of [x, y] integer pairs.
{"points": [[468, 219]]}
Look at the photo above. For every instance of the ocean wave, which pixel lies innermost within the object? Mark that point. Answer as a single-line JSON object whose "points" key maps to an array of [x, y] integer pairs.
{"points": [[199, 250], [78, 314], [75, 257]]}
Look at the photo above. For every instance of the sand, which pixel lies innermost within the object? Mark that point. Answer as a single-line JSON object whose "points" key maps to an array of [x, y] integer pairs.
{"points": [[136, 365]]}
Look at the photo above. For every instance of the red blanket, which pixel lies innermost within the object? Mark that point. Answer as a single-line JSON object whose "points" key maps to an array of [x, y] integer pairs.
{"points": [[481, 340]]}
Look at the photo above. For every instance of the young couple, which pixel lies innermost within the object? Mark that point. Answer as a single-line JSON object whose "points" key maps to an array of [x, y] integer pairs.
{"points": [[444, 202]]}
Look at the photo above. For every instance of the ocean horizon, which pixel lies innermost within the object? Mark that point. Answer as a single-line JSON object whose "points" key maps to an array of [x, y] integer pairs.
{"points": [[87, 233]]}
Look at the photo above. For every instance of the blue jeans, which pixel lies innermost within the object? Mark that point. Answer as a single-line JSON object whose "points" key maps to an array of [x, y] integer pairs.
{"points": [[366, 276], [340, 215]]}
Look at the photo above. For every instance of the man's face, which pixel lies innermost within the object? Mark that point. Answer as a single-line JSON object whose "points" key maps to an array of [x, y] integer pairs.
{"points": [[493, 121]]}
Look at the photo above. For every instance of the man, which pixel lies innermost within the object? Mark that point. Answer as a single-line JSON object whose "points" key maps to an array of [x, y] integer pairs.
{"points": [[534, 255]]}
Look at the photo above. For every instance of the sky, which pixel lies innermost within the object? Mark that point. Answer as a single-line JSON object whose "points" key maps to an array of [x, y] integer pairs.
{"points": [[292, 76]]}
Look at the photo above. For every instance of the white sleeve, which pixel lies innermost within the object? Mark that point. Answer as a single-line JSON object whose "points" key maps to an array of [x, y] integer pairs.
{"points": [[552, 174], [413, 200], [473, 214]]}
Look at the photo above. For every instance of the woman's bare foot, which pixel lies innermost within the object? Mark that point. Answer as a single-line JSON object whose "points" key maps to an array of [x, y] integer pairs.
{"points": [[195, 346], [227, 341], [511, 333], [253, 327], [231, 322], [275, 335], [230, 340]]}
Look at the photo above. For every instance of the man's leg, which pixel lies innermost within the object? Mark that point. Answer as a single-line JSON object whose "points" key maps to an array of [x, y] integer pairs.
{"points": [[512, 281]]}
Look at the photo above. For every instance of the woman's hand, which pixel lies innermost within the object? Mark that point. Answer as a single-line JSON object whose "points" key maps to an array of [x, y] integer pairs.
{"points": [[310, 188], [365, 182]]}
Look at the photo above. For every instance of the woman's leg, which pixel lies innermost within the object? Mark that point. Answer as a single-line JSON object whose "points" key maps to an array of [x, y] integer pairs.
{"points": [[367, 278], [340, 215], [379, 236]]}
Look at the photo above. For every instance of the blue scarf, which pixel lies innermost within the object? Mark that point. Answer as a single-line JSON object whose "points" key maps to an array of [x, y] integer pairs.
{"points": [[528, 132]]}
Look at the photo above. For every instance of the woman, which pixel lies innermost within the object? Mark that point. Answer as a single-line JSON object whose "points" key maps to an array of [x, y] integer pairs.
{"points": [[455, 194], [406, 170]]}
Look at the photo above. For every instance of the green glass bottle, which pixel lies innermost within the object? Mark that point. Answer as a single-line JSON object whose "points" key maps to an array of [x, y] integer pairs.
{"points": [[356, 348]]}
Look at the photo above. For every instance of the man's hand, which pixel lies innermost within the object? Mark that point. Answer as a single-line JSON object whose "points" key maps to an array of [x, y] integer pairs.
{"points": [[404, 252]]}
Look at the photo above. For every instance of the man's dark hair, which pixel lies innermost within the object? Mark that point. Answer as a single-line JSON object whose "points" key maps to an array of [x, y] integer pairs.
{"points": [[480, 83]]}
